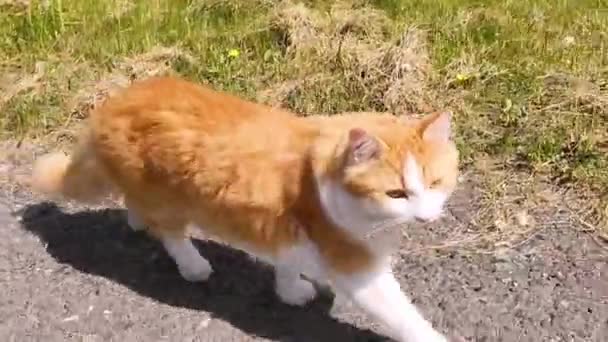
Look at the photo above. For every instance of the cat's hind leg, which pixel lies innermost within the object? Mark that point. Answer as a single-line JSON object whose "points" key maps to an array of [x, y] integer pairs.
{"points": [[134, 220], [170, 230]]}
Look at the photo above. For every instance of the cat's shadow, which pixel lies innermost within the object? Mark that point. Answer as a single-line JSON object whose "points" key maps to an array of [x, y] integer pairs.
{"points": [[240, 291]]}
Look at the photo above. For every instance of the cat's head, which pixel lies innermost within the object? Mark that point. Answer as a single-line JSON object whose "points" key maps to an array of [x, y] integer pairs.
{"points": [[403, 172]]}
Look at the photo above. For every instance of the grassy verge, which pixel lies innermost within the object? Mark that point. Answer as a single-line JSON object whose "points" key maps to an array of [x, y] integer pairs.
{"points": [[528, 79]]}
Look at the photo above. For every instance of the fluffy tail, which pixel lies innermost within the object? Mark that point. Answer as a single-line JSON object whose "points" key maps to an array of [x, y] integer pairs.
{"points": [[77, 177]]}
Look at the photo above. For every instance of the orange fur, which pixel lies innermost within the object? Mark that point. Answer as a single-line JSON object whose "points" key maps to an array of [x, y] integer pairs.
{"points": [[245, 173]]}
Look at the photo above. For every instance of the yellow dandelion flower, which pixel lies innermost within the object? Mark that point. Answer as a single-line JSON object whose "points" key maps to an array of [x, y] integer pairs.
{"points": [[234, 53], [462, 77]]}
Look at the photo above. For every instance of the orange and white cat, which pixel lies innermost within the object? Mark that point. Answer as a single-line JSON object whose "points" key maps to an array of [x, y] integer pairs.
{"points": [[303, 193]]}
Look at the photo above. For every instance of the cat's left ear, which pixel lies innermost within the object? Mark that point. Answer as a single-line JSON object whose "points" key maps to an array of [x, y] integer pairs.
{"points": [[437, 127]]}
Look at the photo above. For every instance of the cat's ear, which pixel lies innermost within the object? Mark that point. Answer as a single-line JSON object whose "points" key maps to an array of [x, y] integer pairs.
{"points": [[436, 127], [362, 147]]}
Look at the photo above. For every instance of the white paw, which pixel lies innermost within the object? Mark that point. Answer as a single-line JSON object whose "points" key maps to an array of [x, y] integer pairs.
{"points": [[134, 221], [296, 292], [195, 270], [191, 265]]}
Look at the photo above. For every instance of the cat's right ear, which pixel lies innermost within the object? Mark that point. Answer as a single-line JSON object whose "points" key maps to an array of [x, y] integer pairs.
{"points": [[437, 126], [362, 147]]}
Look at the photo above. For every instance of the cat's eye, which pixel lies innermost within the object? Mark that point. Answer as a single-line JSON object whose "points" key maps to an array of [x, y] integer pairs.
{"points": [[436, 183], [397, 193]]}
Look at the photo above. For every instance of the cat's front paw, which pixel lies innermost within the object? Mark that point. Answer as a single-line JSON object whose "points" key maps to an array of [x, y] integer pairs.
{"points": [[297, 292], [196, 271]]}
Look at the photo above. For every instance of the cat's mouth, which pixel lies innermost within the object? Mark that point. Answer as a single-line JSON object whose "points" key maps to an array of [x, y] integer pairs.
{"points": [[428, 218]]}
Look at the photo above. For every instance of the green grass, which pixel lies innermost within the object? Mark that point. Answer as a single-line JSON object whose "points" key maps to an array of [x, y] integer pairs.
{"points": [[527, 79]]}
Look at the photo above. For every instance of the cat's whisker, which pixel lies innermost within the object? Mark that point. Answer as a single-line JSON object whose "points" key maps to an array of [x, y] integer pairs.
{"points": [[385, 225]]}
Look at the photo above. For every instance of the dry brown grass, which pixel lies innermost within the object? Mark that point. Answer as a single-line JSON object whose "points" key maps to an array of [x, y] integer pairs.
{"points": [[80, 86], [13, 83], [18, 4], [156, 62], [355, 44]]}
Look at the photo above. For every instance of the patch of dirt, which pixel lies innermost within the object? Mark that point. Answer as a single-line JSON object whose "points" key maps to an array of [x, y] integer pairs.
{"points": [[69, 272], [568, 92]]}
